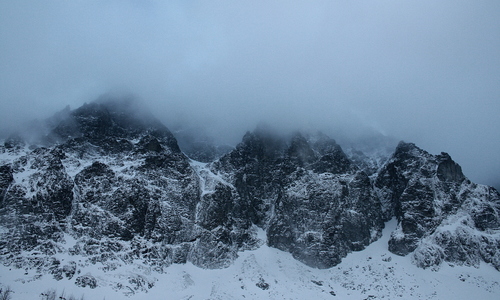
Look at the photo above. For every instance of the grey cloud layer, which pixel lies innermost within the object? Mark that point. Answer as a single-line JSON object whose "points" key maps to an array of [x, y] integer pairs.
{"points": [[423, 71]]}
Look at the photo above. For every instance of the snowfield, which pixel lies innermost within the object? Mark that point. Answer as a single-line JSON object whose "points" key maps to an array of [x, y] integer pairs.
{"points": [[268, 273]]}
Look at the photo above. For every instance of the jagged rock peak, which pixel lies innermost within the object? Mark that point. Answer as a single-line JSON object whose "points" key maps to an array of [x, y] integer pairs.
{"points": [[304, 190], [448, 170], [108, 113], [263, 143], [407, 168], [312, 150], [442, 216], [109, 123], [408, 149], [300, 150]]}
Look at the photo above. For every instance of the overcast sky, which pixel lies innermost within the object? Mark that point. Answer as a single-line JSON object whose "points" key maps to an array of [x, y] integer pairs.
{"points": [[423, 71]]}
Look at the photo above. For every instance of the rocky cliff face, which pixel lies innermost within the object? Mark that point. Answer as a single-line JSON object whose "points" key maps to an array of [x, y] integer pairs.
{"points": [[442, 216], [306, 194], [114, 183], [109, 183]]}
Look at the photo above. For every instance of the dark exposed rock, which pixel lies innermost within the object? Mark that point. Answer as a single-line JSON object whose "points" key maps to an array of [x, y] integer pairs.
{"points": [[408, 182], [319, 224], [448, 170], [69, 269], [110, 125], [441, 215], [255, 169], [299, 152], [86, 281], [6, 179], [150, 143], [332, 159], [293, 188], [262, 284], [486, 216], [15, 141], [47, 192]]}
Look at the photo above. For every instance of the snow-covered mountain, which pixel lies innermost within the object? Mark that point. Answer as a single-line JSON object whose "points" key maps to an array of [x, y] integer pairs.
{"points": [[103, 197]]}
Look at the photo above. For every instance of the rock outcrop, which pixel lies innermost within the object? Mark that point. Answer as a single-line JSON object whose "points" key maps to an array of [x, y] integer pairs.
{"points": [[442, 216], [307, 195]]}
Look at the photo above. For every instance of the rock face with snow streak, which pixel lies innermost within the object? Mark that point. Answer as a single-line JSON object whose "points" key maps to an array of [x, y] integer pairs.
{"points": [[308, 196], [442, 216], [108, 182], [115, 181]]}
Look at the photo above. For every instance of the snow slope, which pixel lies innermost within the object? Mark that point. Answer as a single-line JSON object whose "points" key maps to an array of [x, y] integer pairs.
{"points": [[268, 273]]}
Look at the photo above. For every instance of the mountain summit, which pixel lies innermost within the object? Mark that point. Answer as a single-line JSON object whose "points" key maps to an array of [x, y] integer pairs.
{"points": [[107, 185]]}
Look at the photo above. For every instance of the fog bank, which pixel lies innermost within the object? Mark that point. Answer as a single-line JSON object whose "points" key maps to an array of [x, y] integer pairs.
{"points": [[426, 72]]}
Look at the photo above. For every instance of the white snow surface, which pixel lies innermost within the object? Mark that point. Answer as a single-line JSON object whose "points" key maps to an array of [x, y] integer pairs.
{"points": [[268, 273], [208, 180]]}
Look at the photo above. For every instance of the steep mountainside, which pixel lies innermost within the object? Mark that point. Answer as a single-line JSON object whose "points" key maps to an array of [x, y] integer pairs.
{"points": [[312, 201], [107, 184], [441, 214]]}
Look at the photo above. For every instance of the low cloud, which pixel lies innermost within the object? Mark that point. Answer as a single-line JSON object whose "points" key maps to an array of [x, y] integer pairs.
{"points": [[421, 71]]}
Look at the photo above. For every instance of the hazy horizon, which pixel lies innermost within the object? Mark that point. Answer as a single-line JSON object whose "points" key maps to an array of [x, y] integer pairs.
{"points": [[425, 72]]}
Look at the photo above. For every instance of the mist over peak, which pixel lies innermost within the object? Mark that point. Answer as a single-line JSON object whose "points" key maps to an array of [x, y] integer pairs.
{"points": [[421, 71]]}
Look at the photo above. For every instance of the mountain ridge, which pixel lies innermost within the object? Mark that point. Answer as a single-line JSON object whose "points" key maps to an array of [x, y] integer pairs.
{"points": [[114, 179]]}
